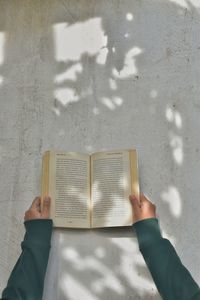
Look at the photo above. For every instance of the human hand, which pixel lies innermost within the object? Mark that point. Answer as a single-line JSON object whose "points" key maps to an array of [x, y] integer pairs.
{"points": [[142, 208], [37, 210]]}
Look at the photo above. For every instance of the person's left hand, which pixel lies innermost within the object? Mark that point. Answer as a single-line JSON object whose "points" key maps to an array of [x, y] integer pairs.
{"points": [[37, 210]]}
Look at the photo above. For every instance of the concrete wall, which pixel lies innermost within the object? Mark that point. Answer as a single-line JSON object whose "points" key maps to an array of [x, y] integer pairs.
{"points": [[92, 75]]}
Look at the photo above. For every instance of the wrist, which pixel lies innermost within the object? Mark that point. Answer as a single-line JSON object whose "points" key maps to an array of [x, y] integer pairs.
{"points": [[38, 230], [148, 231]]}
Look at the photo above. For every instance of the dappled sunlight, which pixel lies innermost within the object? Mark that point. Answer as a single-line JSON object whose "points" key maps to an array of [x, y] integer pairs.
{"points": [[175, 140], [112, 103], [186, 3], [176, 144], [182, 3], [123, 181], [174, 116], [70, 73], [129, 16], [129, 68], [173, 199], [91, 77], [101, 58], [124, 211], [100, 252], [130, 262], [97, 191], [85, 37], [195, 3], [73, 289], [66, 95], [106, 277]]}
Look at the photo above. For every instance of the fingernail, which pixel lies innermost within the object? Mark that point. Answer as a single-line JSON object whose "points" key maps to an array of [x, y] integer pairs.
{"points": [[46, 199]]}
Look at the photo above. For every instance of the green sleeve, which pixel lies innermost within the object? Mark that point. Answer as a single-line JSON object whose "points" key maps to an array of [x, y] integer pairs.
{"points": [[172, 279], [27, 278]]}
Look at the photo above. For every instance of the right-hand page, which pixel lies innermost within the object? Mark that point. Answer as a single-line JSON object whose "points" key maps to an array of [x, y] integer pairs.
{"points": [[113, 178]]}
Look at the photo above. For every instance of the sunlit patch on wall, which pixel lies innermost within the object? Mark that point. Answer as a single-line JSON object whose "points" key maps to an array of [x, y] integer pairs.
{"points": [[106, 277], [100, 252], [73, 289], [129, 265], [129, 68], [101, 58], [172, 197], [123, 182], [181, 3], [112, 103], [129, 16], [69, 74], [186, 3], [174, 116], [196, 3], [66, 95], [176, 144], [70, 254], [72, 41], [175, 140], [169, 114]]}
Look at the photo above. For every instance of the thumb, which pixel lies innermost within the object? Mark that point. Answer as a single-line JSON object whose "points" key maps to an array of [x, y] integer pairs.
{"points": [[145, 200], [46, 207]]}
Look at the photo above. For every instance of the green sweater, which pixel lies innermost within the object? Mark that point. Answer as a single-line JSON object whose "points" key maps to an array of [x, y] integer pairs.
{"points": [[172, 279]]}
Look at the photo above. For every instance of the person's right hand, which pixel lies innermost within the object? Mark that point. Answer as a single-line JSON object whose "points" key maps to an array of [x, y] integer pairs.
{"points": [[142, 208], [37, 210]]}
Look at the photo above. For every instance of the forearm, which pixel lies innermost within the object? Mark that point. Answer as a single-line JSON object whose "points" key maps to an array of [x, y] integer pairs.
{"points": [[27, 278], [172, 279]]}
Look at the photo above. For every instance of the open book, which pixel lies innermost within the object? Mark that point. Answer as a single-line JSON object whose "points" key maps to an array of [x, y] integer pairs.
{"points": [[90, 191]]}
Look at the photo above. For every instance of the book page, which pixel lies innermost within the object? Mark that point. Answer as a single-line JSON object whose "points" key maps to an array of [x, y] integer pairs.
{"points": [[69, 187], [111, 187]]}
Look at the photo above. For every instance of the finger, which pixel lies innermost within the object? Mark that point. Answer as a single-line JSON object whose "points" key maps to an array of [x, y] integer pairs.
{"points": [[135, 202], [36, 203], [46, 207]]}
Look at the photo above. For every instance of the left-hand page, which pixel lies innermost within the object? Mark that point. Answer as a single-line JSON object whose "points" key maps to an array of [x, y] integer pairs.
{"points": [[66, 179]]}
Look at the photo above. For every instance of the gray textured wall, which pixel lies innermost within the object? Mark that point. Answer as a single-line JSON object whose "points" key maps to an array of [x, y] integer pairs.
{"points": [[92, 75]]}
